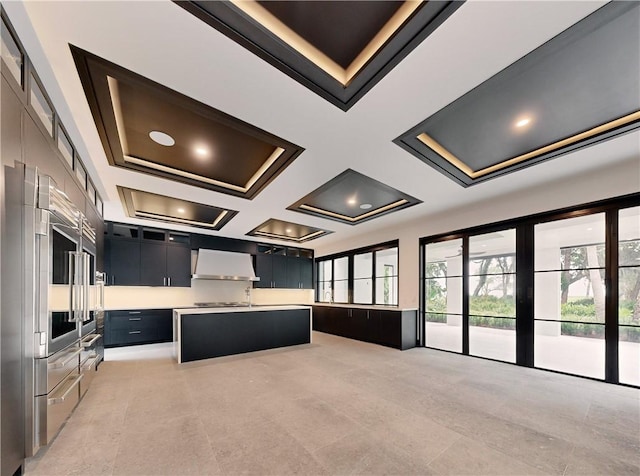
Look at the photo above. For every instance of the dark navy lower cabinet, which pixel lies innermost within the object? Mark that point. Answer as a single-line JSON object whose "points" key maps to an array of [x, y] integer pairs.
{"points": [[388, 327], [143, 326]]}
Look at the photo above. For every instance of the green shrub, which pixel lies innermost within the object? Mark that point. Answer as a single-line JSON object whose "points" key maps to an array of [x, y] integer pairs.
{"points": [[492, 306], [481, 321]]}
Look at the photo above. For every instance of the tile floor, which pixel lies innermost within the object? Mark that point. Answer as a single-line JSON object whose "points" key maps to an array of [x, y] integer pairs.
{"points": [[339, 406]]}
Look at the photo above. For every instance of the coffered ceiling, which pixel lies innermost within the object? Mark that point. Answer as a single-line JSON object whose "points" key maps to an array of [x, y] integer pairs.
{"points": [[161, 57]]}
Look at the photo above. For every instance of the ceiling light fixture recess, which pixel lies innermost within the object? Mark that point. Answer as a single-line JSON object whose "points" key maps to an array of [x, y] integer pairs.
{"points": [[180, 210], [201, 151], [365, 206], [162, 138], [523, 122], [351, 201]]}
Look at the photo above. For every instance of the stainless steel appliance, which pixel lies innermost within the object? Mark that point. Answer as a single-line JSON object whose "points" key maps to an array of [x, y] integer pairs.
{"points": [[62, 305]]}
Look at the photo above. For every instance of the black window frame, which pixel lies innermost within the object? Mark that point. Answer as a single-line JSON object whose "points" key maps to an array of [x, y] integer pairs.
{"points": [[525, 268], [350, 254]]}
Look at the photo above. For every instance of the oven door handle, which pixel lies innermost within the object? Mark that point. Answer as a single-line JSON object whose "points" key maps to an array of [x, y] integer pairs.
{"points": [[62, 362], [61, 398], [88, 343], [72, 285], [86, 287]]}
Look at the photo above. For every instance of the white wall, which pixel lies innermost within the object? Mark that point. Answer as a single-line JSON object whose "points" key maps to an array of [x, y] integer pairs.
{"points": [[620, 179]]}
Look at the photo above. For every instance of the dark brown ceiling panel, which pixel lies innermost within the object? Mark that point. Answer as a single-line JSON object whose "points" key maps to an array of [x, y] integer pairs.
{"points": [[284, 230], [202, 145], [341, 30], [580, 88], [338, 49], [151, 206], [353, 198]]}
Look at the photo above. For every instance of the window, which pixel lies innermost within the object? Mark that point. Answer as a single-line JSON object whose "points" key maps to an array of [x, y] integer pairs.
{"points": [[65, 147], [99, 204], [91, 190], [629, 296], [364, 276], [11, 54], [325, 280], [81, 174], [387, 276], [570, 295], [443, 295], [341, 279], [41, 105]]}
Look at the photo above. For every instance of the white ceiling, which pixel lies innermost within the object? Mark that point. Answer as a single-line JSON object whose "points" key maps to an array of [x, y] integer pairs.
{"points": [[163, 42]]}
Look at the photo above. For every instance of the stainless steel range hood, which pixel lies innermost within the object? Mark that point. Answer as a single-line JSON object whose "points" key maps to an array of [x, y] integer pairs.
{"points": [[225, 265]]}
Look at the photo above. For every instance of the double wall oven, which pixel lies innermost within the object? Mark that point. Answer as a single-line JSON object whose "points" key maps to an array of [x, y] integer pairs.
{"points": [[64, 304]]}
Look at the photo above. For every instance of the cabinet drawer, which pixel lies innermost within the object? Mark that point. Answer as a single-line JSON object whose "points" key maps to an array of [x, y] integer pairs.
{"points": [[138, 327]]}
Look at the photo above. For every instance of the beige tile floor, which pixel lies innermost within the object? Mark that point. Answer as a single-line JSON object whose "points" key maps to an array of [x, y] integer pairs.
{"points": [[344, 407]]}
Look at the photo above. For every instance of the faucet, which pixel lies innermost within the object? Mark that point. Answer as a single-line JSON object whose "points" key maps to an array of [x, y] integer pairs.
{"points": [[330, 295], [247, 293]]}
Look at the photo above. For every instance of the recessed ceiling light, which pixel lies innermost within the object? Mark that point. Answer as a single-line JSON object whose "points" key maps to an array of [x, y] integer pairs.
{"points": [[162, 138], [180, 210], [589, 229], [523, 122], [201, 151], [366, 206], [288, 230], [351, 201]]}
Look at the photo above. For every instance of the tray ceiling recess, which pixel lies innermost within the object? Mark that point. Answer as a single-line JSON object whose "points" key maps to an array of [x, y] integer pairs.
{"points": [[338, 49], [284, 230], [151, 206], [580, 88], [353, 198], [150, 128]]}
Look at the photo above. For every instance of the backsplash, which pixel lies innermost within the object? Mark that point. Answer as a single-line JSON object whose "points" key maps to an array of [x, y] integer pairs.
{"points": [[132, 297]]}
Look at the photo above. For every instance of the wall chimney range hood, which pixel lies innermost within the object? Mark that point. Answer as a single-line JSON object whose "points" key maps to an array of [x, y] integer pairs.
{"points": [[224, 265]]}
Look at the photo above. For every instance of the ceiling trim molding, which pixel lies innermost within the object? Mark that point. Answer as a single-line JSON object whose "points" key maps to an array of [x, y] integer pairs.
{"points": [[269, 224], [100, 78], [341, 87], [126, 197], [577, 110]]}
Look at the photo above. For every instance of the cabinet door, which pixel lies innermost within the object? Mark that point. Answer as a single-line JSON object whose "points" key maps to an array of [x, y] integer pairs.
{"points": [[306, 273], [264, 270], [279, 269], [153, 264], [179, 265], [293, 272], [124, 260], [390, 328]]}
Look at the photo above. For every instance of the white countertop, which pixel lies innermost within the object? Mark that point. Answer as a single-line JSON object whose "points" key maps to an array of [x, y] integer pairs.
{"points": [[365, 306], [215, 310]]}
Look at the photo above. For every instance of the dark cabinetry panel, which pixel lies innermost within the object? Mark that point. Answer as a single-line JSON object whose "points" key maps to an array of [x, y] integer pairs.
{"points": [[278, 267], [153, 264], [123, 263], [222, 244], [213, 335], [391, 328], [144, 257], [128, 327], [179, 265]]}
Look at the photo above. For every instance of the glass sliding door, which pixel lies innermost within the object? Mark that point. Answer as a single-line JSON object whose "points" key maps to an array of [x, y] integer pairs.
{"points": [[443, 295], [569, 302], [629, 296], [492, 304]]}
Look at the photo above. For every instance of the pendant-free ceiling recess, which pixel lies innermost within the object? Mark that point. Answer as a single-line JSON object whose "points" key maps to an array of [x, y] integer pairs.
{"points": [[353, 198], [284, 230], [152, 206], [338, 49], [147, 127], [580, 88]]}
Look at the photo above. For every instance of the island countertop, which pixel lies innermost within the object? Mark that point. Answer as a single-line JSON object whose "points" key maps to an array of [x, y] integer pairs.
{"points": [[227, 309]]}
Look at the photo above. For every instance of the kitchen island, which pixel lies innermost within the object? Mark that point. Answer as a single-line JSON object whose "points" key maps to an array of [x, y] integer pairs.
{"points": [[203, 333]]}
